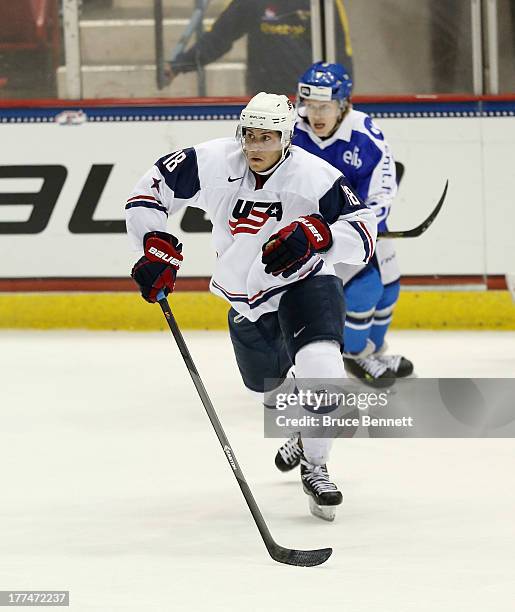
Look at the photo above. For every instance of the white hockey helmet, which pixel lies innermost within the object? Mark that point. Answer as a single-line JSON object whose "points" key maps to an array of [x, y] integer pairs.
{"points": [[268, 111]]}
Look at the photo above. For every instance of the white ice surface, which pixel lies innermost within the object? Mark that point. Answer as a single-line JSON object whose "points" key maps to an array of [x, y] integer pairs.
{"points": [[114, 487]]}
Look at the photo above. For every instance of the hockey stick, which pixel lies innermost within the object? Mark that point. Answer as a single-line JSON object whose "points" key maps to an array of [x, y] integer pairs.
{"points": [[420, 229], [305, 558]]}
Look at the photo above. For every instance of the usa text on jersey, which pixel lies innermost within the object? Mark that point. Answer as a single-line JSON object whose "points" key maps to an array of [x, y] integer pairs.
{"points": [[248, 216]]}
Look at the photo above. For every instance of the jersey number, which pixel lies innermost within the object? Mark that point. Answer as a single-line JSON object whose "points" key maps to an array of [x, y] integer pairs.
{"points": [[351, 196], [174, 160]]}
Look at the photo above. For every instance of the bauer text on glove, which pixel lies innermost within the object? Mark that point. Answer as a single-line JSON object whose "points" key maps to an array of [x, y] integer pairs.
{"points": [[157, 269], [289, 249]]}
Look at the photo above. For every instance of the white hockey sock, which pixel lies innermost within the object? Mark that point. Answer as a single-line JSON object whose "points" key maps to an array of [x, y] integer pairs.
{"points": [[321, 359], [316, 450]]}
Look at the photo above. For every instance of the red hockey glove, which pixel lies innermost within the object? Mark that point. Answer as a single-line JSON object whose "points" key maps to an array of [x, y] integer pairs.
{"points": [[288, 250], [157, 269]]}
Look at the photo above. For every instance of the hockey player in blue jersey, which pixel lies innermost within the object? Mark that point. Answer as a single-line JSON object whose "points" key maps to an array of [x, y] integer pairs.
{"points": [[348, 139]]}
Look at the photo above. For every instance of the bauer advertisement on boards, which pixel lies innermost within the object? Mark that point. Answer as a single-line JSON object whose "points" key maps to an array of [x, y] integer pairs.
{"points": [[64, 187]]}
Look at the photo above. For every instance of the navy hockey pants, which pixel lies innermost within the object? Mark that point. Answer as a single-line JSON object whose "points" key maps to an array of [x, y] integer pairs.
{"points": [[309, 310]]}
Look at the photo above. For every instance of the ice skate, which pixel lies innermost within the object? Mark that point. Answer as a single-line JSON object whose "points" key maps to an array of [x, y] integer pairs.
{"points": [[371, 371], [289, 455], [399, 365], [323, 494]]}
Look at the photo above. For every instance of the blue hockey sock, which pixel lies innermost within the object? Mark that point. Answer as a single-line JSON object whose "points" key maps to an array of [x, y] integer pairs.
{"points": [[357, 330], [380, 325], [384, 313]]}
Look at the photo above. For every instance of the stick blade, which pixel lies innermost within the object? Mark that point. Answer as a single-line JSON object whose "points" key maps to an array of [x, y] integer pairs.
{"points": [[302, 558]]}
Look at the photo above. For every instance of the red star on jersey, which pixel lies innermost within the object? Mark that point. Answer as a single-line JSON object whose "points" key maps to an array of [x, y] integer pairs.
{"points": [[155, 184]]}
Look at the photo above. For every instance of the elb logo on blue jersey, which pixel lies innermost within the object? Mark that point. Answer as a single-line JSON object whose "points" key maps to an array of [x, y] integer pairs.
{"points": [[352, 158], [373, 129]]}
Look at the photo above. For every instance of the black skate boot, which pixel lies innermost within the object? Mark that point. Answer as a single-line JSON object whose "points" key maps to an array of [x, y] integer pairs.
{"points": [[289, 455], [397, 364], [371, 371], [323, 494]]}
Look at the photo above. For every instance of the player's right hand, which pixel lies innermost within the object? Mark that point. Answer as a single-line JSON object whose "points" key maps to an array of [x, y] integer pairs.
{"points": [[157, 269]]}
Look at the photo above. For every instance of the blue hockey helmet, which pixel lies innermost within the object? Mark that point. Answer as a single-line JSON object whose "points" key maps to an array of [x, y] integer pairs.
{"points": [[324, 82]]}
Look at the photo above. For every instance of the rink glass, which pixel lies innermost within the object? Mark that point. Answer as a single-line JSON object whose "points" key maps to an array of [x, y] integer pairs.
{"points": [[396, 47]]}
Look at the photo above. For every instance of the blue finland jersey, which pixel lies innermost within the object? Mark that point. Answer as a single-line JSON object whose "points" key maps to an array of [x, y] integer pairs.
{"points": [[358, 149]]}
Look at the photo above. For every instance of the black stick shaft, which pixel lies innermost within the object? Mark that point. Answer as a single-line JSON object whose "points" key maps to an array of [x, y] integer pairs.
{"points": [[213, 417], [420, 229]]}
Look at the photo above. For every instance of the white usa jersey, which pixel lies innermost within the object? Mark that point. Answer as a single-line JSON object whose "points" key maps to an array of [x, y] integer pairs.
{"points": [[214, 176]]}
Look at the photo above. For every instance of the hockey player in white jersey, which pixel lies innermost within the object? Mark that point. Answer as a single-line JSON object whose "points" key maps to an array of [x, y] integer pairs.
{"points": [[348, 139], [281, 219]]}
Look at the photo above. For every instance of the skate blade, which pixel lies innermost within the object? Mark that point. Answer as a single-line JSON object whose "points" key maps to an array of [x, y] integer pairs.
{"points": [[326, 513]]}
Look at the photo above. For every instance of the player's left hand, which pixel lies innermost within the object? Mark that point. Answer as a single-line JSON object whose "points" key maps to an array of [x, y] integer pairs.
{"points": [[288, 250]]}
